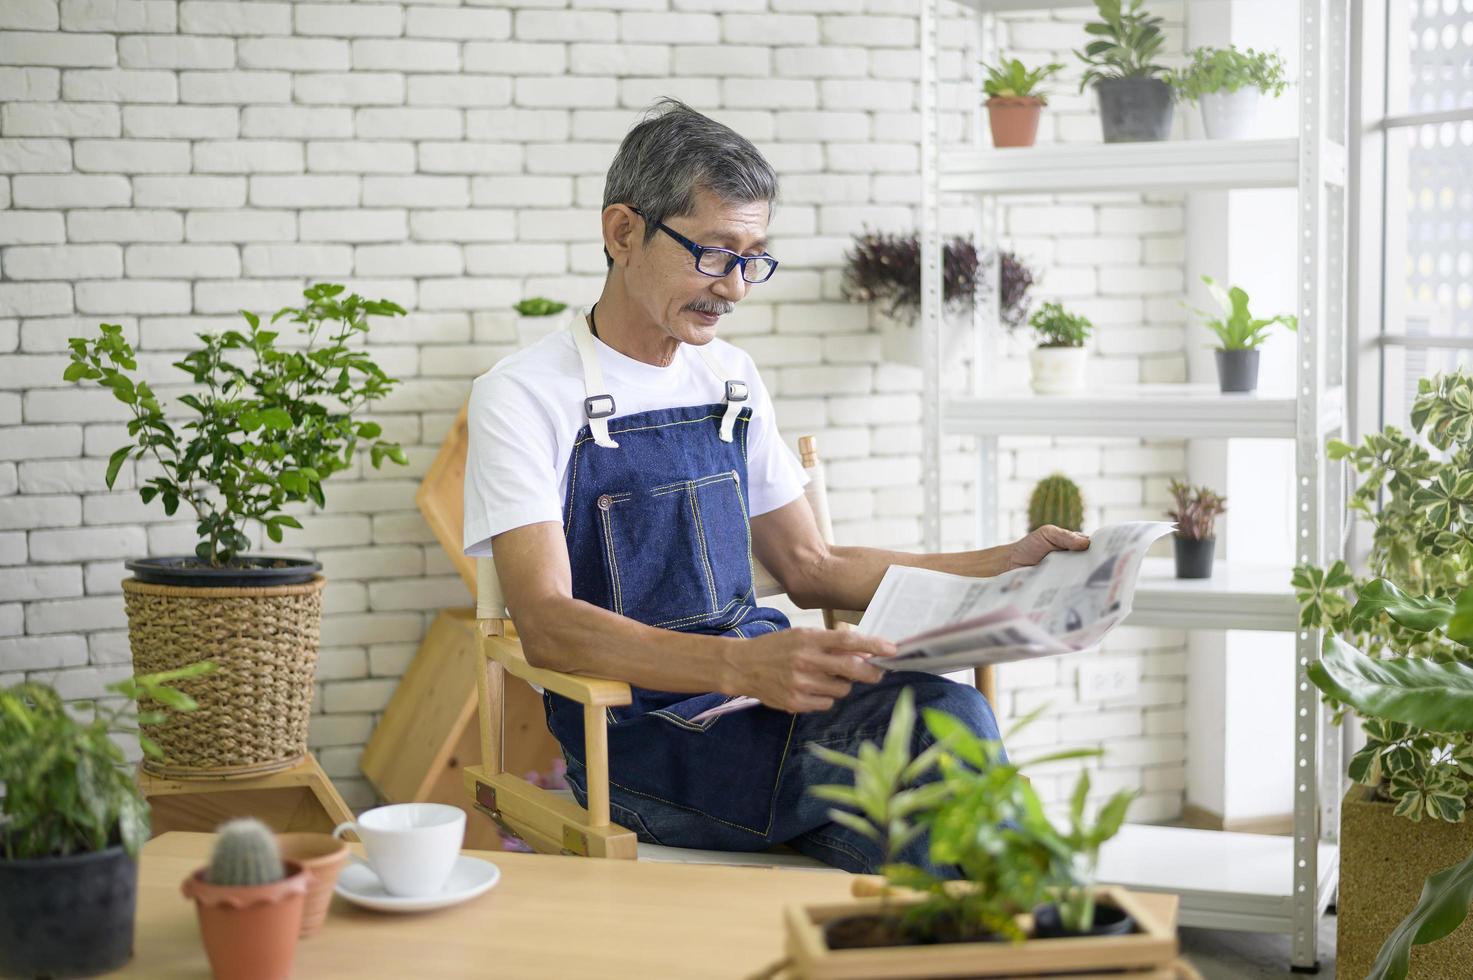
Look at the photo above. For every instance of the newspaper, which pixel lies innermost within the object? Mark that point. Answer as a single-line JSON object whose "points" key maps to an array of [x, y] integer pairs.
{"points": [[1066, 603]]}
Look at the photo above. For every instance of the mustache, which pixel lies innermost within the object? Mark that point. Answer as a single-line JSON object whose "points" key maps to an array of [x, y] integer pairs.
{"points": [[715, 309]]}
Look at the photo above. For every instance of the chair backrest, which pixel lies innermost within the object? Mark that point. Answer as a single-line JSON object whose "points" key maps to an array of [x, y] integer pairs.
{"points": [[491, 602]]}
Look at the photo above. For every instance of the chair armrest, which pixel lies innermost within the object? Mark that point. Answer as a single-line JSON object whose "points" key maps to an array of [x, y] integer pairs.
{"points": [[596, 691], [850, 616]]}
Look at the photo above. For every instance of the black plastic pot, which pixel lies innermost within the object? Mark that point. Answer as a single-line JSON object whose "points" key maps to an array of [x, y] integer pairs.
{"points": [[1134, 110], [245, 572], [1194, 557], [1109, 921], [67, 916], [1237, 370]]}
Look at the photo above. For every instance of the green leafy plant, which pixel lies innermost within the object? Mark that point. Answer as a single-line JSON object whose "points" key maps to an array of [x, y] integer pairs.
{"points": [[1084, 840], [1013, 79], [67, 790], [270, 426], [1236, 328], [1053, 326], [539, 306], [1227, 70], [1129, 39], [1196, 510], [1416, 491], [1056, 500]]}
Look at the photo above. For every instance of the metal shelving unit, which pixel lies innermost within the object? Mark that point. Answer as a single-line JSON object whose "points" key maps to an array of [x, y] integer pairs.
{"points": [[1226, 880]]}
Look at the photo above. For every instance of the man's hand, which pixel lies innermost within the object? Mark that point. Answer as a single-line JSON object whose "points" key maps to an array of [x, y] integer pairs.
{"points": [[805, 669], [1031, 550]]}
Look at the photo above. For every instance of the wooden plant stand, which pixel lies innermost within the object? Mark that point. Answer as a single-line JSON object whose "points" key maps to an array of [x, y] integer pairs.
{"points": [[301, 798]]}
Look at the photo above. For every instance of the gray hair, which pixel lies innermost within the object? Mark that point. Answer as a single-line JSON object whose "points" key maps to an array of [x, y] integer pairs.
{"points": [[676, 150]]}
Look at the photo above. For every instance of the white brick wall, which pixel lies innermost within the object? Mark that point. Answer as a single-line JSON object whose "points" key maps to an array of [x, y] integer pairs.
{"points": [[163, 164]]}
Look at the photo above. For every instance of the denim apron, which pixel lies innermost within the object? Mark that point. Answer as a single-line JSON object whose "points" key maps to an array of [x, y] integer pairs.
{"points": [[656, 523]]}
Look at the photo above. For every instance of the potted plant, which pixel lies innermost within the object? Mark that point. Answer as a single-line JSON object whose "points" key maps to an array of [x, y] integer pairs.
{"points": [[71, 822], [1135, 99], [1057, 362], [984, 819], [249, 904], [1239, 336], [1196, 511], [1075, 912], [269, 426], [1230, 85], [1056, 500], [537, 317], [1409, 809], [1014, 102]]}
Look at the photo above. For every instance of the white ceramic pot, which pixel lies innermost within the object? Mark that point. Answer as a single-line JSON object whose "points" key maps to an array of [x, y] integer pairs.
{"points": [[1057, 370], [1231, 115], [531, 329], [900, 338]]}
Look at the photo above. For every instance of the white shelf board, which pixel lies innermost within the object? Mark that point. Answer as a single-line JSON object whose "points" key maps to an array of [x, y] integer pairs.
{"points": [[1156, 166], [1236, 597], [1226, 880], [1181, 411]]}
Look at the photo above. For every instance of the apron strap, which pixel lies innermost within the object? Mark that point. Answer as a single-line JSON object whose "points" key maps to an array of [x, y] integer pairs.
{"points": [[735, 391], [599, 404]]}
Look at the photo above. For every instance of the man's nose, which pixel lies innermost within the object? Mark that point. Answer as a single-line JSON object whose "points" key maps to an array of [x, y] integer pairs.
{"points": [[731, 286]]}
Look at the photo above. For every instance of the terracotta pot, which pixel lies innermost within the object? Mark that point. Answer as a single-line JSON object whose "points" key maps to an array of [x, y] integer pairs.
{"points": [[1014, 119], [250, 931], [324, 856]]}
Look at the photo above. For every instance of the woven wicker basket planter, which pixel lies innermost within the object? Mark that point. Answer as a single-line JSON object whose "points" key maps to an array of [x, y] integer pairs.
{"points": [[254, 710]]}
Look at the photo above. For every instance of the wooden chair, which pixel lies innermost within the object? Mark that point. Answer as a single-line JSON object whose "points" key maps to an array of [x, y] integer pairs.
{"points": [[551, 822]]}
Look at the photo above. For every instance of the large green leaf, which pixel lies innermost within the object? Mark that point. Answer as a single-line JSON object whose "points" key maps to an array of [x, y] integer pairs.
{"points": [[1422, 613], [1441, 908], [1422, 693]]}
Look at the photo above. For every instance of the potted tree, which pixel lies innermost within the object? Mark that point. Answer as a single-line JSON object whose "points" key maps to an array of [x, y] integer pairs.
{"points": [[1197, 510], [1014, 101], [1057, 362], [537, 317], [1408, 814], [269, 426], [1135, 99], [71, 822], [1239, 336], [884, 269], [1230, 86]]}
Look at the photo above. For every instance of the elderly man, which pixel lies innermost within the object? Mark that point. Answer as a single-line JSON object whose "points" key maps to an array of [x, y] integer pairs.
{"points": [[624, 472]]}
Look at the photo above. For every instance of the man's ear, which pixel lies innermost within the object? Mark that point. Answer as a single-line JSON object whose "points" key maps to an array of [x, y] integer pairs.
{"points": [[621, 233]]}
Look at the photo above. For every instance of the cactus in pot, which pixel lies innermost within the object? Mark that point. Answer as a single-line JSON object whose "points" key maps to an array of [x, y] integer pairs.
{"points": [[1056, 500], [249, 903]]}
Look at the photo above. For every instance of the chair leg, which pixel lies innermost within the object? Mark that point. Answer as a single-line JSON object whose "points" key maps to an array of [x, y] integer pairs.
{"points": [[491, 680], [986, 682], [596, 752]]}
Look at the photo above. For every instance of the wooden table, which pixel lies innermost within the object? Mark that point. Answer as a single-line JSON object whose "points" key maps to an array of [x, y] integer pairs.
{"points": [[548, 917]]}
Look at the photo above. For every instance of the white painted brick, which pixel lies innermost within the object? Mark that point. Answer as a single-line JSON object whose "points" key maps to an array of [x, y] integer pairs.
{"points": [[341, 663], [40, 476], [29, 15], [416, 191], [71, 190], [352, 88], [1051, 220], [459, 90], [560, 25], [1139, 220], [822, 126], [524, 125], [235, 87], [429, 593], [779, 93], [358, 20], [234, 19], [118, 85], [133, 156], [822, 62], [63, 262], [31, 227], [342, 729], [59, 119], [36, 441], [296, 122], [698, 93], [402, 55], [9, 481], [873, 158], [844, 219], [1135, 280], [416, 123], [774, 29], [567, 92], [240, 226], [163, 51], [248, 156], [623, 59], [1097, 251], [877, 32], [463, 225], [35, 299], [867, 94], [42, 652], [59, 50], [725, 60], [84, 544], [30, 84], [181, 122], [189, 192], [461, 157], [359, 156], [407, 260], [230, 296], [35, 156], [183, 261], [12, 552], [894, 63], [357, 695], [304, 191], [366, 225], [515, 58], [524, 191], [458, 24], [133, 296]]}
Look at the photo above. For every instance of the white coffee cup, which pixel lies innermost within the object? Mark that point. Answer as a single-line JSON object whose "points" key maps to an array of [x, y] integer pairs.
{"points": [[412, 847]]}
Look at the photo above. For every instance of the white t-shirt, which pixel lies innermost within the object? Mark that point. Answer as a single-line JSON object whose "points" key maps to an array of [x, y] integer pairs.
{"points": [[525, 413]]}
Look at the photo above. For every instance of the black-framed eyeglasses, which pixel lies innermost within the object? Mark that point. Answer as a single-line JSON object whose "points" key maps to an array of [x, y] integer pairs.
{"points": [[718, 262]]}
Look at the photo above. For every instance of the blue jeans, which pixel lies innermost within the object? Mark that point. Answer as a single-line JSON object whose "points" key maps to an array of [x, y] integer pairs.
{"points": [[801, 819]]}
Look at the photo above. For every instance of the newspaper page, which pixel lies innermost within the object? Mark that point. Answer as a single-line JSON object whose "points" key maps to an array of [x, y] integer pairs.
{"points": [[1067, 602]]}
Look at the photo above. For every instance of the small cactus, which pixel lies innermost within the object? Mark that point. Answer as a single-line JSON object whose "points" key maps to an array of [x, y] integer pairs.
{"points": [[245, 854], [1056, 500]]}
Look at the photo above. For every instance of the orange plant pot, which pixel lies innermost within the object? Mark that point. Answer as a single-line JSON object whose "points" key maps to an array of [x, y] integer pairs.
{"points": [[324, 856], [1014, 119], [250, 931]]}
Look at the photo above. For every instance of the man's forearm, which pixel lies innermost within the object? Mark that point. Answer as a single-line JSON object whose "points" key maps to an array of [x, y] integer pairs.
{"points": [[848, 577]]}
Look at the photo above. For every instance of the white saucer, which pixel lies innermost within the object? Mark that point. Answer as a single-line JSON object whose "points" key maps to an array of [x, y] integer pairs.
{"points": [[469, 878]]}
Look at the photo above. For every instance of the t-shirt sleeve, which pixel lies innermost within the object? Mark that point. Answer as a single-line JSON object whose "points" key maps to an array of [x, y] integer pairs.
{"points": [[774, 475], [511, 475]]}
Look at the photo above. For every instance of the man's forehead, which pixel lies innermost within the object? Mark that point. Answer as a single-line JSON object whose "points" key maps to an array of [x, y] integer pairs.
{"points": [[733, 223]]}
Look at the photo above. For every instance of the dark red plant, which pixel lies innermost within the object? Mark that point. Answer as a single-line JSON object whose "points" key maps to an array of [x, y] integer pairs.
{"points": [[885, 268]]}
